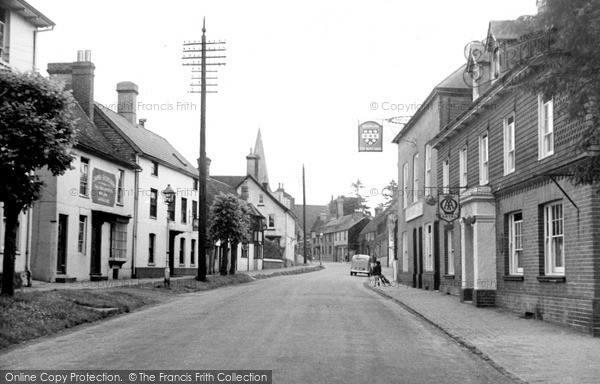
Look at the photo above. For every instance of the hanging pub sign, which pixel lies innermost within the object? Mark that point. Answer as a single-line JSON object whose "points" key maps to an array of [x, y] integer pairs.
{"points": [[448, 207], [370, 137], [103, 187]]}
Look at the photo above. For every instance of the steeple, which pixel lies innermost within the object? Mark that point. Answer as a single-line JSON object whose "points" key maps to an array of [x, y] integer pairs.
{"points": [[262, 174]]}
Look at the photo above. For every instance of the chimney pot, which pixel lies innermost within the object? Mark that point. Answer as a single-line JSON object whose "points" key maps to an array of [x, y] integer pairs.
{"points": [[142, 122], [88, 55], [80, 55]]}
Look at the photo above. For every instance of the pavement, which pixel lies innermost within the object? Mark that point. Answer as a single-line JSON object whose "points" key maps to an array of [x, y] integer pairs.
{"points": [[527, 350], [37, 285]]}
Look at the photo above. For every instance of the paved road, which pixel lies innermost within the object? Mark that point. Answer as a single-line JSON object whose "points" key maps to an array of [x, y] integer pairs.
{"points": [[320, 327]]}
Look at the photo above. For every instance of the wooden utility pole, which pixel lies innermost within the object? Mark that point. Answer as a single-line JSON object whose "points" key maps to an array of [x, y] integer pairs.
{"points": [[304, 210], [192, 47]]}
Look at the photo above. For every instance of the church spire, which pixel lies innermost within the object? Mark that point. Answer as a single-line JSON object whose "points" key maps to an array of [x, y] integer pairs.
{"points": [[263, 175]]}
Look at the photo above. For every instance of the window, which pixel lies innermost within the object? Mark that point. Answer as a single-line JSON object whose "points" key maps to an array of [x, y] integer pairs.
{"points": [[427, 170], [509, 144], [151, 247], [195, 185], [404, 252], [553, 239], [3, 36], [193, 252], [272, 221], [120, 186], [171, 209], [194, 210], [82, 239], [515, 243], [462, 169], [483, 159], [415, 178], [244, 251], [183, 210], [446, 176], [429, 247], [546, 126], [154, 168], [405, 185], [153, 202], [84, 176], [261, 199], [497, 68], [450, 252], [118, 241], [182, 251]]}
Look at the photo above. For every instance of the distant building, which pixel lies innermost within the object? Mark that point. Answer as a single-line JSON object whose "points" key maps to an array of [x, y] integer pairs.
{"points": [[338, 238], [377, 237]]}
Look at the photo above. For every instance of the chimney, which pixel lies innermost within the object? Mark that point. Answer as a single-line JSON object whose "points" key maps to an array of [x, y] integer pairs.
{"points": [[142, 122], [252, 165], [83, 82], [340, 207], [62, 72], [323, 217], [245, 192], [127, 100], [378, 210]]}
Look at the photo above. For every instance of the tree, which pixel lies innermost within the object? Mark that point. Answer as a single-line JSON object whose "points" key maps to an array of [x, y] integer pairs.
{"points": [[36, 131], [360, 199], [572, 72], [230, 224], [389, 192]]}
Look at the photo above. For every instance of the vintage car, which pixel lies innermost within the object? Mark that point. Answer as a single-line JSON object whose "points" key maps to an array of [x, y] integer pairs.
{"points": [[360, 264]]}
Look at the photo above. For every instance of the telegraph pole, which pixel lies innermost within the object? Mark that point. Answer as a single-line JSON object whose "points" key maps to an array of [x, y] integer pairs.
{"points": [[304, 210], [192, 48]]}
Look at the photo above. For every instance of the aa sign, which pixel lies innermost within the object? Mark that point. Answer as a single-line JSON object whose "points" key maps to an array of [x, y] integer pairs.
{"points": [[370, 137], [448, 207]]}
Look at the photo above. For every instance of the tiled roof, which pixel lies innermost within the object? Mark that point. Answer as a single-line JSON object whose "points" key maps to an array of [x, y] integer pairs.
{"points": [[232, 181], [214, 187], [342, 224], [149, 143], [91, 139], [312, 214]]}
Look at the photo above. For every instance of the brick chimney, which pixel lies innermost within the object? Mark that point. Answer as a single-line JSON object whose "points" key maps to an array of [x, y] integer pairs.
{"points": [[79, 77], [378, 210], [340, 207], [127, 100], [252, 165]]}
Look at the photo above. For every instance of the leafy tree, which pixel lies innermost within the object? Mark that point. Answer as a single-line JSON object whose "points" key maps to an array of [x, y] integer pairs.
{"points": [[36, 131], [572, 71], [231, 225], [389, 192], [360, 199]]}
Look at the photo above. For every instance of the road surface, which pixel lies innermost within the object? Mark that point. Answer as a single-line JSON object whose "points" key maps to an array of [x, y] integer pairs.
{"points": [[320, 327]]}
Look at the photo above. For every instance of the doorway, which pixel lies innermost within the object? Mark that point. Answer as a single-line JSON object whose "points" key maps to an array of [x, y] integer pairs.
{"points": [[61, 254]]}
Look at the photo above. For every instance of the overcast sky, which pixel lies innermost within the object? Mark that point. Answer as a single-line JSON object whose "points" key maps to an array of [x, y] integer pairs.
{"points": [[305, 72]]}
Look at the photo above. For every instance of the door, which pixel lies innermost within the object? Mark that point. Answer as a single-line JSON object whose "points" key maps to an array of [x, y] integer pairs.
{"points": [[61, 254], [96, 255], [420, 270], [415, 253], [436, 256], [172, 252]]}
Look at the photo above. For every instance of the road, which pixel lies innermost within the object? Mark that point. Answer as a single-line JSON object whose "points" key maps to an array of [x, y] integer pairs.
{"points": [[320, 327]]}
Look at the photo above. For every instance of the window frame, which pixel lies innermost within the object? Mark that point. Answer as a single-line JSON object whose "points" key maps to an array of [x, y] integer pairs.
{"points": [[542, 134], [446, 176], [484, 159], [551, 268], [120, 186], [463, 168], [154, 169], [509, 138], [151, 248], [84, 182], [428, 247], [183, 210], [271, 221], [193, 252], [514, 245], [427, 182], [450, 252], [153, 203], [415, 184], [181, 252], [405, 251], [82, 235], [405, 185]]}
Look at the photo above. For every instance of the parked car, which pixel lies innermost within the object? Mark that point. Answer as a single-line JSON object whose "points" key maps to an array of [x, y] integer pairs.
{"points": [[360, 264]]}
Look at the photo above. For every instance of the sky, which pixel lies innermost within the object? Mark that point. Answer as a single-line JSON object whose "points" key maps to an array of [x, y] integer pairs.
{"points": [[305, 72]]}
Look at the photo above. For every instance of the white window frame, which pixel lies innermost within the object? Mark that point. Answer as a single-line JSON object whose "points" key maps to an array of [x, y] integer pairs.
{"points": [[446, 176], [84, 176], [510, 158], [553, 236], [427, 170], [404, 252], [545, 131], [271, 220], [429, 247], [405, 185], [415, 178], [515, 243], [484, 159], [462, 169], [151, 248], [120, 187], [450, 252]]}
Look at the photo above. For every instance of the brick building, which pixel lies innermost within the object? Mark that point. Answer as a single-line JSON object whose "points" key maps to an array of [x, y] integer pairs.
{"points": [[527, 238], [418, 226]]}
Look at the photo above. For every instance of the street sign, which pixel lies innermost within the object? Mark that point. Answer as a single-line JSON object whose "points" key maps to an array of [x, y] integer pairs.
{"points": [[448, 207]]}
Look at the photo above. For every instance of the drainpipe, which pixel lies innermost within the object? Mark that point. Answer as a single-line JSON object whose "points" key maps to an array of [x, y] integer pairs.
{"points": [[28, 246], [136, 191]]}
